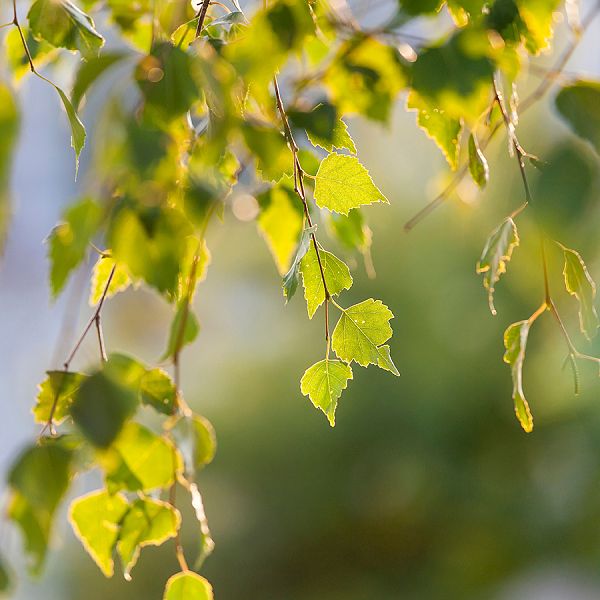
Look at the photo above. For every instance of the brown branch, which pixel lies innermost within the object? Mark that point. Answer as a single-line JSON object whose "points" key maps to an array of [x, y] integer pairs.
{"points": [[202, 16]]}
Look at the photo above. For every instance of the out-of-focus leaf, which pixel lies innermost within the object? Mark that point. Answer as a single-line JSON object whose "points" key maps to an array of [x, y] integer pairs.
{"points": [[90, 71], [148, 522], [580, 284], [515, 342], [39, 479], [497, 252], [337, 276], [158, 390], [103, 268], [351, 230], [342, 184], [68, 242], [62, 24], [478, 165], [188, 586], [77, 128], [9, 126], [290, 279], [58, 390], [360, 333], [579, 105], [324, 383], [440, 127], [280, 222], [139, 460], [273, 157], [106, 400], [196, 439], [95, 519], [178, 337]]}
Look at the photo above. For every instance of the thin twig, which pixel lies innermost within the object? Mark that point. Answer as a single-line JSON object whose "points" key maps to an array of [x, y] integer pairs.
{"points": [[202, 16], [103, 356], [300, 191]]}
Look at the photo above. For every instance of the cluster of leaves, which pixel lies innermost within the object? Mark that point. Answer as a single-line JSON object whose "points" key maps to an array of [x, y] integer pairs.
{"points": [[199, 106]]}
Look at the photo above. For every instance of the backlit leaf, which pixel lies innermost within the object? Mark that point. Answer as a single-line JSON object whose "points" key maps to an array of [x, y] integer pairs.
{"points": [[337, 276], [148, 522], [342, 184], [9, 125], [323, 383], [96, 519], [515, 342], [478, 165], [119, 282], [57, 390], [195, 437], [158, 390], [290, 279], [188, 586], [62, 24], [360, 333], [139, 460], [497, 252], [68, 242], [184, 330], [443, 129], [579, 283]]}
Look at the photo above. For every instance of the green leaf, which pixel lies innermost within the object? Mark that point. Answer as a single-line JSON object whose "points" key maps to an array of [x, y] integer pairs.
{"points": [[90, 71], [195, 438], [107, 399], [148, 522], [5, 577], [457, 76], [167, 82], [280, 223], [515, 341], [39, 479], [351, 230], [68, 242], [290, 279], [360, 333], [188, 586], [179, 338], [9, 125], [478, 165], [77, 128], [323, 127], [152, 244], [579, 105], [323, 383], [443, 129], [102, 269], [158, 390], [96, 519], [139, 460], [63, 25], [342, 184], [497, 252], [41, 52], [579, 283], [337, 276], [274, 159], [58, 390]]}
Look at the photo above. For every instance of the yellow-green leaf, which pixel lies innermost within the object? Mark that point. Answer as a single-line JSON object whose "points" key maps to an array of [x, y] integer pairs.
{"points": [[342, 184], [337, 276], [57, 390], [443, 129], [148, 522], [102, 269], [497, 252], [579, 283], [478, 165], [515, 342], [96, 519], [360, 333], [139, 460], [323, 383], [188, 586]]}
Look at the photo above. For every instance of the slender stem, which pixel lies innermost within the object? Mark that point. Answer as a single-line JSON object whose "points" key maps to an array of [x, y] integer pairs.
{"points": [[179, 553], [202, 16], [103, 356], [300, 191]]}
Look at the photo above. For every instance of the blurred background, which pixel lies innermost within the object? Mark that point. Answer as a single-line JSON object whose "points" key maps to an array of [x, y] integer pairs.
{"points": [[427, 487]]}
